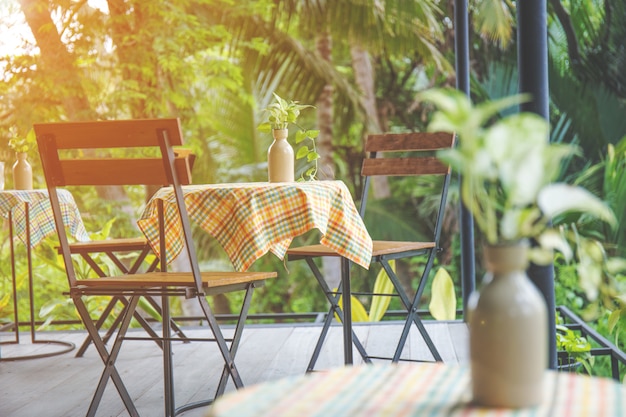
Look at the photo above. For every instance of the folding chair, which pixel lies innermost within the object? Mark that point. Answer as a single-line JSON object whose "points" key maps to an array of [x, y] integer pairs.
{"points": [[405, 154], [116, 249], [58, 147]]}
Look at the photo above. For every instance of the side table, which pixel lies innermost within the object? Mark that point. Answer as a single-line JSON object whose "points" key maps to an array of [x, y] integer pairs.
{"points": [[30, 221]]}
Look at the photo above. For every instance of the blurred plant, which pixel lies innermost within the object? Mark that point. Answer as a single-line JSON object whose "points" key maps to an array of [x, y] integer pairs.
{"points": [[608, 180], [600, 278], [21, 144], [508, 166]]}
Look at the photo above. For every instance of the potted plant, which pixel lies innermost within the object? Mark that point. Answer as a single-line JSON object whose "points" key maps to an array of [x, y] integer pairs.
{"points": [[280, 158], [22, 171], [508, 167]]}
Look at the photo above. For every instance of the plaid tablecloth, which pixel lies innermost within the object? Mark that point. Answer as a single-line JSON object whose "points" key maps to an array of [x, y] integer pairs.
{"points": [[40, 214], [250, 219], [413, 390]]}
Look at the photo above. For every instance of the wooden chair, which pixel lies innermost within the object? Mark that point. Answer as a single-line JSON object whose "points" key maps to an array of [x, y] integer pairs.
{"points": [[117, 250], [405, 154], [58, 147]]}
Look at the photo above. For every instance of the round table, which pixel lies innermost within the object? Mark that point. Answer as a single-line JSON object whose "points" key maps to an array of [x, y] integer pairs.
{"points": [[30, 219], [404, 390]]}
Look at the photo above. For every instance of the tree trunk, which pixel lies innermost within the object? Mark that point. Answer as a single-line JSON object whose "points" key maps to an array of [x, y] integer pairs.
{"points": [[364, 77], [56, 62], [325, 115]]}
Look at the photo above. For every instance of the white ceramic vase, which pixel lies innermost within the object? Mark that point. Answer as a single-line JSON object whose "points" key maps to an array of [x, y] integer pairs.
{"points": [[22, 173], [280, 158], [508, 332]]}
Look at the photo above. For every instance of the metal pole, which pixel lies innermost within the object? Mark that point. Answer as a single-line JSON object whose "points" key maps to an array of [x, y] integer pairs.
{"points": [[532, 61], [461, 45]]}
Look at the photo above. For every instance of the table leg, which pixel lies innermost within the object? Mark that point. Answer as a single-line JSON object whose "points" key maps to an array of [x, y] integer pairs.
{"points": [[65, 346], [347, 311]]}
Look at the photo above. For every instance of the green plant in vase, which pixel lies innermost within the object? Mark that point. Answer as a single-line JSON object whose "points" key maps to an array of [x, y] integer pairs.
{"points": [[508, 169], [280, 115]]}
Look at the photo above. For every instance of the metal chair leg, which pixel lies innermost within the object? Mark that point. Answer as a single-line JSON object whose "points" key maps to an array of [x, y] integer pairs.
{"points": [[333, 299], [83, 348], [108, 358], [411, 307], [229, 363], [234, 345]]}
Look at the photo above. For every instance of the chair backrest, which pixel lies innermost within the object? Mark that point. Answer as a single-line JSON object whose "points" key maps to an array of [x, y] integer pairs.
{"points": [[108, 170], [80, 154], [407, 154]]}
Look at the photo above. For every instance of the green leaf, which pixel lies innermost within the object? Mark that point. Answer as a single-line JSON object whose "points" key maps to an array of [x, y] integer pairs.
{"points": [[358, 311], [382, 285], [312, 134], [559, 198], [443, 302], [147, 307], [614, 320], [265, 127], [310, 173], [300, 136], [312, 156], [302, 152]]}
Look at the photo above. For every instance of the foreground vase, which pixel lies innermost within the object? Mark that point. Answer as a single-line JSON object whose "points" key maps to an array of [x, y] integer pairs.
{"points": [[508, 332], [22, 173], [280, 158]]}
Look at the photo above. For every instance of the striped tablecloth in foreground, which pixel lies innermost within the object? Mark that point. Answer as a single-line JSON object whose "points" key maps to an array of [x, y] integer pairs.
{"points": [[40, 214], [251, 219], [415, 390]]}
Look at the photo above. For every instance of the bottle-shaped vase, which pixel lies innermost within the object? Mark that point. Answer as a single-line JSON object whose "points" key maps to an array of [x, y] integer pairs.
{"points": [[22, 173], [280, 158]]}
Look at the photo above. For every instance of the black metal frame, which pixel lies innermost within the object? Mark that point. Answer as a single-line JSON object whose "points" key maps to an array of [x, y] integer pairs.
{"points": [[411, 306], [134, 268], [65, 346]]}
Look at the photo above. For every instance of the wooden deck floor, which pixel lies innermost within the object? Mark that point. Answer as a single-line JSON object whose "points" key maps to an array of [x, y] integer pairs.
{"points": [[63, 385]]}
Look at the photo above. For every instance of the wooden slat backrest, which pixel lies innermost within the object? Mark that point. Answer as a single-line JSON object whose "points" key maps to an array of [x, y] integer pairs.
{"points": [[390, 143], [55, 137]]}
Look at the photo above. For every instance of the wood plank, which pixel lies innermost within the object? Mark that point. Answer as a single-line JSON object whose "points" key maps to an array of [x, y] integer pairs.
{"points": [[63, 385], [409, 141], [404, 166], [110, 133]]}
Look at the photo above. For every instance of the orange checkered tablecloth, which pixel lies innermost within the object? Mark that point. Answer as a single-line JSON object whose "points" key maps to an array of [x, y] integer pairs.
{"points": [[251, 219], [412, 390], [41, 220]]}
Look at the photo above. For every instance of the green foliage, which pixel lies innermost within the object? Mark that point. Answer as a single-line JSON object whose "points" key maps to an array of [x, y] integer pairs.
{"points": [[281, 113], [443, 300], [379, 303], [307, 154], [22, 144], [508, 167], [575, 346]]}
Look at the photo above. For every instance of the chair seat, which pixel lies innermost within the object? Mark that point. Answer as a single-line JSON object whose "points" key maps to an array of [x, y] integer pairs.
{"points": [[380, 247], [175, 279], [118, 245]]}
